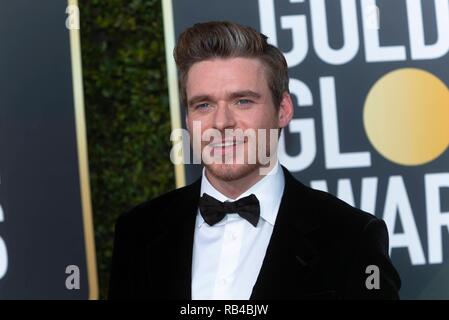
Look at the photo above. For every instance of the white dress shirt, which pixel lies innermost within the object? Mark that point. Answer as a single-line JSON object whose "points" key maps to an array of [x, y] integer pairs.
{"points": [[227, 257]]}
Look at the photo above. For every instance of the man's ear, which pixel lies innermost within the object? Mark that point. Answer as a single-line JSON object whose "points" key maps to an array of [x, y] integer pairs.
{"points": [[285, 112], [186, 119]]}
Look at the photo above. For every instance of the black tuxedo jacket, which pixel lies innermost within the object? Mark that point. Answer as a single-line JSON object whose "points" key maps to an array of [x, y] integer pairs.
{"points": [[320, 249]]}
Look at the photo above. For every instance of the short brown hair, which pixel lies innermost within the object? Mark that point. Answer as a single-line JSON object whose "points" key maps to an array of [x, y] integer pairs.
{"points": [[223, 39]]}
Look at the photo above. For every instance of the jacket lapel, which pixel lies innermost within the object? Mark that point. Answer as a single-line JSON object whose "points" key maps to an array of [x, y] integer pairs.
{"points": [[291, 253]]}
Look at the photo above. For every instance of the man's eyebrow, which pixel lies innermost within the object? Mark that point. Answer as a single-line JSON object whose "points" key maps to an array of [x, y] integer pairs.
{"points": [[244, 93], [198, 98], [232, 95]]}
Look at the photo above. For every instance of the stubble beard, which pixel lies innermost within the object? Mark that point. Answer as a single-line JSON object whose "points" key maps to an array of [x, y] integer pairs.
{"points": [[231, 172]]}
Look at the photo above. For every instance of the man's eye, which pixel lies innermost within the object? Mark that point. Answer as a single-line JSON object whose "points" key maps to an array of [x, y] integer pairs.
{"points": [[243, 101], [202, 106]]}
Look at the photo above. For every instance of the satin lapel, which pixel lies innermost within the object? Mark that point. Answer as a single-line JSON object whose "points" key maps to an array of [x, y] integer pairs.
{"points": [[290, 255]]}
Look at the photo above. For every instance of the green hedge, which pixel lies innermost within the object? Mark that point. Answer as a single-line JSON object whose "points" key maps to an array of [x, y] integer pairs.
{"points": [[127, 112]]}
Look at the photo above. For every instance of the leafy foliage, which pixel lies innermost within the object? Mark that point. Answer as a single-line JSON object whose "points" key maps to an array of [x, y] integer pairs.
{"points": [[127, 112]]}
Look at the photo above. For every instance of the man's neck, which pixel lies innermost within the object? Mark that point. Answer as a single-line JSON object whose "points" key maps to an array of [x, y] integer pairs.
{"points": [[234, 188]]}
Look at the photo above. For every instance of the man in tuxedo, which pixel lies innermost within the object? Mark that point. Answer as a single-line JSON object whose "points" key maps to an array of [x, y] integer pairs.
{"points": [[245, 229]]}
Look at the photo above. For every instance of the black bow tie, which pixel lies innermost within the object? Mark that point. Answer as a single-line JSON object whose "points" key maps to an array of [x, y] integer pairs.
{"points": [[214, 210]]}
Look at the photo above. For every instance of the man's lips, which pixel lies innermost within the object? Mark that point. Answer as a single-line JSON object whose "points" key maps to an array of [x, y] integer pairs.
{"points": [[225, 144], [225, 147]]}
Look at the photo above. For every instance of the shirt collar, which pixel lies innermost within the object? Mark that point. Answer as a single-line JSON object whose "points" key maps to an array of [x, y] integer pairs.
{"points": [[268, 190]]}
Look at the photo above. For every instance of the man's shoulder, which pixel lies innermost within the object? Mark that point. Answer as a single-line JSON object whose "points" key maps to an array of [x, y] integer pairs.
{"points": [[331, 211], [334, 209], [341, 226], [154, 211]]}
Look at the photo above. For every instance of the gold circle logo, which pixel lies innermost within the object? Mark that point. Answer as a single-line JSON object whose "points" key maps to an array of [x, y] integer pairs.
{"points": [[406, 116]]}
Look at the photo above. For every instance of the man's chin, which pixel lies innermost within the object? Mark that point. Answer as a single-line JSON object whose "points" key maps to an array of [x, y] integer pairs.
{"points": [[230, 172]]}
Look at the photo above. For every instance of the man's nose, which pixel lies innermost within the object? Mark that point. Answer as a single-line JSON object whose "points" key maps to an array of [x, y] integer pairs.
{"points": [[223, 117]]}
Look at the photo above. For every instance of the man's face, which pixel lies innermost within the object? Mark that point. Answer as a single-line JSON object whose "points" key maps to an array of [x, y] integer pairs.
{"points": [[230, 94]]}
